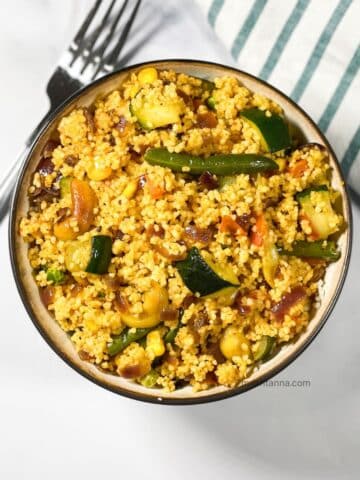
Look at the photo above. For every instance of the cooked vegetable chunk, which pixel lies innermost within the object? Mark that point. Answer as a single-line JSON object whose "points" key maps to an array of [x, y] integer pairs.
{"points": [[198, 275], [150, 379], [154, 301], [56, 276], [318, 249], [84, 200], [91, 256], [100, 254], [171, 334], [272, 128], [127, 336], [264, 348], [234, 343], [228, 164], [316, 207], [154, 114]]}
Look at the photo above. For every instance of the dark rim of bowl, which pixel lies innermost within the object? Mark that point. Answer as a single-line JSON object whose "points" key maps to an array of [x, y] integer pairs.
{"points": [[139, 396]]}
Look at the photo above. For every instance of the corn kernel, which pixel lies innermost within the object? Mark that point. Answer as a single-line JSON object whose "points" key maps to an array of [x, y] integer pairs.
{"points": [[147, 75], [155, 344], [130, 189]]}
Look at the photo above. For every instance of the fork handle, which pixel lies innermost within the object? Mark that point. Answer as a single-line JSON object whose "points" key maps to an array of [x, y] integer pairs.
{"points": [[8, 182], [59, 87]]}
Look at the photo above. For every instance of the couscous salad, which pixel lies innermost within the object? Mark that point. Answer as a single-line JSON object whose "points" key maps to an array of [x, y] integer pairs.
{"points": [[178, 233]]}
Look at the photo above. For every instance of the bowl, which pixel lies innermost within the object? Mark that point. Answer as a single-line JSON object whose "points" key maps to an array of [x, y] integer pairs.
{"points": [[57, 338]]}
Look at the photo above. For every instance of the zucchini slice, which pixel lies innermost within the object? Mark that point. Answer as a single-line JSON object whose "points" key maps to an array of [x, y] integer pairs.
{"points": [[270, 262], [151, 114], [101, 246], [199, 275], [92, 256], [77, 255], [273, 130], [316, 207], [265, 347]]}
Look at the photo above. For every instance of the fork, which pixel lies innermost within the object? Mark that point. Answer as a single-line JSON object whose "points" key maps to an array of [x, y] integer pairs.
{"points": [[87, 57]]}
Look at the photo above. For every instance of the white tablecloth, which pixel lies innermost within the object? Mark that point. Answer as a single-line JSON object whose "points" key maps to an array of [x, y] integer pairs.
{"points": [[54, 424]]}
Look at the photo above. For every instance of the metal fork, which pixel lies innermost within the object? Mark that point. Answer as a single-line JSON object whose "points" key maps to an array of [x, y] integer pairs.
{"points": [[87, 57]]}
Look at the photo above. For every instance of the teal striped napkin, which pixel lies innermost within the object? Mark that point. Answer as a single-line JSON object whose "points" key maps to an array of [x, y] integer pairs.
{"points": [[308, 49]]}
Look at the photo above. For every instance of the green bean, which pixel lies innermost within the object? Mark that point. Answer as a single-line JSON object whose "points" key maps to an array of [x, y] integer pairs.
{"points": [[318, 249], [222, 164], [171, 334], [127, 336]]}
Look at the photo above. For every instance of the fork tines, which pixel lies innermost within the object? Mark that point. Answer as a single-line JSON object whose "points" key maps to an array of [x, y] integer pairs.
{"points": [[96, 50]]}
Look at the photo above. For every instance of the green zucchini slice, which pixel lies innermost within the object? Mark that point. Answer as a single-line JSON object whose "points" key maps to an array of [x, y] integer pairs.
{"points": [[270, 262], [151, 114], [273, 130], [316, 207], [92, 256], [171, 334], [265, 347], [100, 256], [199, 276]]}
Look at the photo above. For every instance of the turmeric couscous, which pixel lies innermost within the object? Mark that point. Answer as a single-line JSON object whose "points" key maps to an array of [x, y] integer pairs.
{"points": [[177, 232]]}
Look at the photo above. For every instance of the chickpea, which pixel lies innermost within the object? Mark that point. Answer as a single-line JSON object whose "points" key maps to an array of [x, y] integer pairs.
{"points": [[234, 343], [155, 300]]}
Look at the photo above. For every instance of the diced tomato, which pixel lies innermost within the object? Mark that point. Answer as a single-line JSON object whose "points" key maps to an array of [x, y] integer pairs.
{"points": [[299, 168], [258, 234], [156, 191]]}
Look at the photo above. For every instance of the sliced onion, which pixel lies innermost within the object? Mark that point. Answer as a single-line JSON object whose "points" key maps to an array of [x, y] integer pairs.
{"points": [[290, 299]]}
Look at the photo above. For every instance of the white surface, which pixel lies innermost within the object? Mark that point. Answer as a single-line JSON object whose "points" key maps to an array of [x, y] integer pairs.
{"points": [[54, 424]]}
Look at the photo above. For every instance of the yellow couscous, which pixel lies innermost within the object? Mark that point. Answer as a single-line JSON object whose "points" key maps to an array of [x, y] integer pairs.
{"points": [[177, 232]]}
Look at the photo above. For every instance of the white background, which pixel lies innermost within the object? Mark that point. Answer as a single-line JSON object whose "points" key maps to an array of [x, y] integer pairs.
{"points": [[54, 424]]}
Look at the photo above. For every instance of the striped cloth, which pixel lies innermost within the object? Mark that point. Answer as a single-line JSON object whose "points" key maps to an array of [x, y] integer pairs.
{"points": [[310, 50]]}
